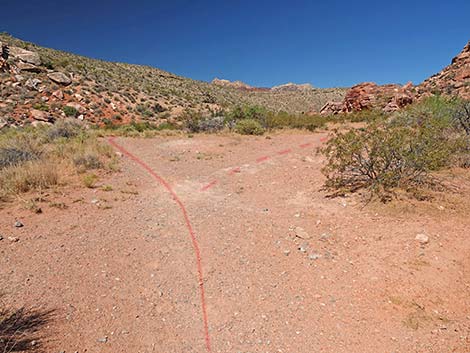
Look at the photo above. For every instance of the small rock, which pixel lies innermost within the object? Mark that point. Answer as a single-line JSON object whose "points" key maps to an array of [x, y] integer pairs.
{"points": [[58, 94], [286, 252], [13, 239], [301, 233], [324, 237], [422, 238], [18, 224], [303, 247], [103, 339], [95, 201], [314, 256]]}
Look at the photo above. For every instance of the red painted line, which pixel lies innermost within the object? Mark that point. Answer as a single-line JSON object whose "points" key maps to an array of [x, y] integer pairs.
{"points": [[284, 151], [323, 139], [262, 159], [305, 145], [192, 234], [211, 184], [234, 170]]}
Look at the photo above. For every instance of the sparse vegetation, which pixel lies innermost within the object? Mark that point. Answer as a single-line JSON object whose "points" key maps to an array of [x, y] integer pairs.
{"points": [[249, 127], [398, 152], [70, 111], [89, 180], [35, 159]]}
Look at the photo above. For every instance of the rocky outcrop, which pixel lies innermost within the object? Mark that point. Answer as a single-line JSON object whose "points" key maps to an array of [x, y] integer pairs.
{"points": [[235, 84], [331, 108], [369, 96], [25, 56], [293, 87], [452, 80], [288, 87]]}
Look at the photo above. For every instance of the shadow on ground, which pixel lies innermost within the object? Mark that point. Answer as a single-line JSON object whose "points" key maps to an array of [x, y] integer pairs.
{"points": [[20, 329]]}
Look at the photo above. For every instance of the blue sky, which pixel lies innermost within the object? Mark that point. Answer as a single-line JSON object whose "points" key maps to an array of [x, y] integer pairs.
{"points": [[264, 43]]}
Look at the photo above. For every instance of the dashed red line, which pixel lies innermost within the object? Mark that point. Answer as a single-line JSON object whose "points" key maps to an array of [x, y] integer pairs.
{"points": [[284, 152], [262, 159], [305, 145], [234, 170], [208, 186], [192, 234]]}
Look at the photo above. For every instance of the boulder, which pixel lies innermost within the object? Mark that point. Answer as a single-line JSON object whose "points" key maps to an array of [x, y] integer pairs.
{"points": [[60, 78], [25, 56], [22, 66], [40, 115], [331, 108], [32, 83], [58, 94]]}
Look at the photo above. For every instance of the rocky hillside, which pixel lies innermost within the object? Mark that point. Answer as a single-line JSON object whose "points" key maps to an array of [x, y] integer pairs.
{"points": [[454, 80], [40, 85]]}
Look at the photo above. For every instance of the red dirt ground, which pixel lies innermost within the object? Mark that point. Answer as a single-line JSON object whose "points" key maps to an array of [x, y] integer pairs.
{"points": [[123, 267]]}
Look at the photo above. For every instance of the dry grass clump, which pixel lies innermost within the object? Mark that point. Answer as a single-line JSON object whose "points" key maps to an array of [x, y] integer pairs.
{"points": [[32, 175], [35, 159]]}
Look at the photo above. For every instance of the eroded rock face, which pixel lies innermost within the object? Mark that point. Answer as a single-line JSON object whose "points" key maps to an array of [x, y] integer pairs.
{"points": [[331, 108], [369, 96], [293, 87], [452, 80], [234, 84]]}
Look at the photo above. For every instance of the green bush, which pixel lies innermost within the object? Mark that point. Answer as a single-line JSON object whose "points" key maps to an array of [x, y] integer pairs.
{"points": [[249, 127], [388, 155], [70, 111]]}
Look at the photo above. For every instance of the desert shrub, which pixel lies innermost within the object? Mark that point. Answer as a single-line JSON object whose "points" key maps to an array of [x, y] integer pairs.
{"points": [[64, 129], [295, 121], [41, 106], [89, 180], [70, 111], [249, 127], [11, 156], [461, 116], [238, 113], [210, 124], [16, 148], [384, 156], [87, 161]]}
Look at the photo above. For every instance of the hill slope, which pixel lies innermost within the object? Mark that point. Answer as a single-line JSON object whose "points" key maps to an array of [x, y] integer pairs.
{"points": [[39, 82]]}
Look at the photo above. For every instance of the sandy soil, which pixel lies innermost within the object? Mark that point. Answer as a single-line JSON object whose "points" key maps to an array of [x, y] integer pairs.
{"points": [[285, 269]]}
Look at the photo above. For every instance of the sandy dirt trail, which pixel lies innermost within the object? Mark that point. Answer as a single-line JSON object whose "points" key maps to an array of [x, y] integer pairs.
{"points": [[285, 269]]}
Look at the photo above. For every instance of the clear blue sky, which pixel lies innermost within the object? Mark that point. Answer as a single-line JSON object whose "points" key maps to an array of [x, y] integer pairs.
{"points": [[326, 43]]}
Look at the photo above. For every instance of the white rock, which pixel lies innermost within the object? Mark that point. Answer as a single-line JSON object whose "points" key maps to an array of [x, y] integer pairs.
{"points": [[422, 238]]}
